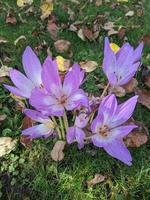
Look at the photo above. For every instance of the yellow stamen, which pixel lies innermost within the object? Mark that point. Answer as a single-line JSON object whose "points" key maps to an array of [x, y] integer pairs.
{"points": [[115, 48]]}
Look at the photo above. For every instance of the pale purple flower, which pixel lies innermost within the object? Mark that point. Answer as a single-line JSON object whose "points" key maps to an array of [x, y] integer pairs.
{"points": [[57, 97], [76, 132], [32, 67], [120, 67], [44, 129], [109, 129]]}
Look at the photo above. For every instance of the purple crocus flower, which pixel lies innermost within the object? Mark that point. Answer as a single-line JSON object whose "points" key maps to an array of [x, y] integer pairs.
{"points": [[75, 132], [32, 67], [122, 66], [108, 128], [57, 97], [44, 129]]}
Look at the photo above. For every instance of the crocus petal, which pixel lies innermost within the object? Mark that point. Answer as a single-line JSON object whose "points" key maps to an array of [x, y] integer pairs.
{"points": [[98, 141], [109, 63], [121, 131], [81, 120], [72, 80], [36, 116], [32, 66], [77, 99], [96, 123], [46, 103], [108, 108], [138, 52], [118, 150], [37, 131], [70, 136], [124, 112], [50, 77], [17, 92], [128, 74], [80, 135]]}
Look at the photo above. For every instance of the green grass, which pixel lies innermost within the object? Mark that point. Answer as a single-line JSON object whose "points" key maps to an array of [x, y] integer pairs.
{"points": [[30, 174]]}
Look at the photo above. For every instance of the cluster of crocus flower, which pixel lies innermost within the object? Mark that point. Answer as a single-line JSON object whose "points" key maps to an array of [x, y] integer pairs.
{"points": [[57, 102]]}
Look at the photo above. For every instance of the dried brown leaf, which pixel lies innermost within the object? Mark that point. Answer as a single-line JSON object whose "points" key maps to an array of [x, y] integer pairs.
{"points": [[62, 46], [3, 117], [131, 85], [53, 29], [81, 34], [137, 137], [57, 153], [10, 19], [121, 32], [88, 66], [118, 91], [98, 2], [98, 178], [7, 144], [144, 97]]}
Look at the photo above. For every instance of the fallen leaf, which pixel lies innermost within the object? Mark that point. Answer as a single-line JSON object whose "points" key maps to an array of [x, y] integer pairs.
{"points": [[4, 71], [22, 37], [2, 117], [62, 46], [88, 33], [98, 2], [53, 29], [129, 13], [25, 140], [88, 66], [137, 137], [121, 32], [144, 97], [146, 39], [98, 178], [46, 8], [108, 26], [7, 144], [131, 85], [23, 3], [81, 34], [112, 32], [10, 19], [118, 91], [57, 153]]}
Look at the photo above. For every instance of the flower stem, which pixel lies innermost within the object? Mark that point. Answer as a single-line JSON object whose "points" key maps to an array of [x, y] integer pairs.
{"points": [[57, 128], [65, 121], [104, 91], [62, 127]]}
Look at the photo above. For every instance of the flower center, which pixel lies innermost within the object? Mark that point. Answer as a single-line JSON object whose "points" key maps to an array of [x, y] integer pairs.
{"points": [[50, 125], [63, 99], [103, 131]]}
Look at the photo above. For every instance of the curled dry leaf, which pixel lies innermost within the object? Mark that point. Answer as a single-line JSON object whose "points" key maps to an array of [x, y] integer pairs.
{"points": [[10, 19], [98, 178], [118, 91], [146, 39], [81, 34], [53, 29], [62, 46], [121, 32], [144, 97], [4, 71], [7, 144], [46, 8], [3, 117], [108, 26], [137, 137], [22, 37], [25, 140], [129, 13], [131, 85], [57, 153], [88, 66]]}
